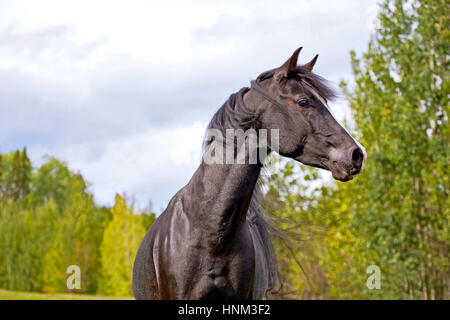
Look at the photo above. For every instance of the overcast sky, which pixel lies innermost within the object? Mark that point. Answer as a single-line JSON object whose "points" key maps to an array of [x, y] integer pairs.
{"points": [[123, 90]]}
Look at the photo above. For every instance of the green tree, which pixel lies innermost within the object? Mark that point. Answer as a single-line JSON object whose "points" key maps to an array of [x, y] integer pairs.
{"points": [[395, 215], [400, 105], [74, 241], [25, 234], [13, 183], [289, 203], [2, 178], [59, 226], [53, 180], [16, 175], [25, 172], [121, 240], [147, 219]]}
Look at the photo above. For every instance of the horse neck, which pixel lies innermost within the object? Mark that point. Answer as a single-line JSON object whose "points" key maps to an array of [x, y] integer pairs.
{"points": [[223, 193], [222, 198]]}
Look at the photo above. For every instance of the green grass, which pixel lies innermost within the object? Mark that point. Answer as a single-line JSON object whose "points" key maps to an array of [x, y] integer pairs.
{"points": [[16, 295]]}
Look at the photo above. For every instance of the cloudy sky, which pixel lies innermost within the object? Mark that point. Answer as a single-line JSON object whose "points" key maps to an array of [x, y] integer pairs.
{"points": [[123, 90]]}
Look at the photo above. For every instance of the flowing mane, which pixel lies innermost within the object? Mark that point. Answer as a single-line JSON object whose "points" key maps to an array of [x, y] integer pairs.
{"points": [[233, 114], [320, 84]]}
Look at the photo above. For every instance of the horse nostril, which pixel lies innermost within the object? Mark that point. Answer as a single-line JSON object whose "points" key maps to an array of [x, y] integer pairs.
{"points": [[357, 158]]}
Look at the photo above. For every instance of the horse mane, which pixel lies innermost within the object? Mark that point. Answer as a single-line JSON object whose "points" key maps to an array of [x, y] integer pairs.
{"points": [[233, 114], [320, 84]]}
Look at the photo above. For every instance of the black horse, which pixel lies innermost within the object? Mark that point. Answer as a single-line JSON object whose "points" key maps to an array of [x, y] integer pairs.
{"points": [[211, 241]]}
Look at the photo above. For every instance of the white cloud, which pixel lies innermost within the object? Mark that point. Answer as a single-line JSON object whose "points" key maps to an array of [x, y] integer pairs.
{"points": [[147, 165], [122, 90]]}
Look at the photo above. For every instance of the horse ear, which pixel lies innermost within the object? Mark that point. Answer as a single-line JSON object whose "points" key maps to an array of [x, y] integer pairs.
{"points": [[288, 66], [310, 65]]}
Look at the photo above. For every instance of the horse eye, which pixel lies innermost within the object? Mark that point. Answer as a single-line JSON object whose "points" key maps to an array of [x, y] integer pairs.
{"points": [[303, 102]]}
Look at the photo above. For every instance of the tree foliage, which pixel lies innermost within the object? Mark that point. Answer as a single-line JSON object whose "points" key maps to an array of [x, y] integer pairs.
{"points": [[395, 215], [49, 221], [121, 241]]}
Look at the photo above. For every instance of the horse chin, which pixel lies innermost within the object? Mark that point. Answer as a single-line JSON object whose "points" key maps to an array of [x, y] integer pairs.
{"points": [[340, 173], [337, 171], [342, 178]]}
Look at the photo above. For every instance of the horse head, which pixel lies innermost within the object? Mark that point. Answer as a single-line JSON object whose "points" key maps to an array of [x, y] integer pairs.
{"points": [[308, 132]]}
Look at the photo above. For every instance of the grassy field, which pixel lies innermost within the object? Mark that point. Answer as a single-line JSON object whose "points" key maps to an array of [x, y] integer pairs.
{"points": [[16, 295]]}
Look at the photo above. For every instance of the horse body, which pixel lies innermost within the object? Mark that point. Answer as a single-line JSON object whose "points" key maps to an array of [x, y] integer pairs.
{"points": [[207, 248]]}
